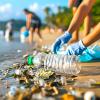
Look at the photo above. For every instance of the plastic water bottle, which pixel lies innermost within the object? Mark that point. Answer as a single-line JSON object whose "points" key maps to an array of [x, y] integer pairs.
{"points": [[62, 64], [36, 59]]}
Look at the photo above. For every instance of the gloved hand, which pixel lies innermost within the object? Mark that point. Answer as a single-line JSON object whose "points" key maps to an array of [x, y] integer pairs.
{"points": [[26, 33], [75, 49], [60, 41]]}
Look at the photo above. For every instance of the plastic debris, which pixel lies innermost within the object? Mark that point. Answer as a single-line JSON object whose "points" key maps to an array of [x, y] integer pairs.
{"points": [[89, 95]]}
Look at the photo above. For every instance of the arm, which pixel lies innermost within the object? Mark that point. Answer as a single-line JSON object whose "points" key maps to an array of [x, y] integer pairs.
{"points": [[29, 17], [92, 37], [80, 14], [78, 18], [70, 3], [78, 47]]}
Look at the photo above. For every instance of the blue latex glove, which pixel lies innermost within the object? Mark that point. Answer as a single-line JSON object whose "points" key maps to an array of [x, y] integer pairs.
{"points": [[90, 54], [60, 41], [75, 49], [26, 33]]}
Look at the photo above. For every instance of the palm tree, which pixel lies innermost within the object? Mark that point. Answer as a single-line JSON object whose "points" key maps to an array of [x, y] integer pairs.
{"points": [[47, 11]]}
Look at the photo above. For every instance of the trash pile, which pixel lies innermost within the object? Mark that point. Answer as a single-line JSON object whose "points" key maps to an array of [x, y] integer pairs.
{"points": [[37, 83]]}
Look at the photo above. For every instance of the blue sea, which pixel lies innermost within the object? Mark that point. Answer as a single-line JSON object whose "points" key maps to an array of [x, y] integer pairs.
{"points": [[13, 50]]}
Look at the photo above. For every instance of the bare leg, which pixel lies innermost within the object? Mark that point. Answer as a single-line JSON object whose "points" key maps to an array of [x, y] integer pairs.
{"points": [[87, 24], [82, 11], [75, 33], [31, 35], [39, 34]]}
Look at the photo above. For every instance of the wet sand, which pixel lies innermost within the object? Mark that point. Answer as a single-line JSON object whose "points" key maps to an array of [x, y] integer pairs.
{"points": [[90, 71]]}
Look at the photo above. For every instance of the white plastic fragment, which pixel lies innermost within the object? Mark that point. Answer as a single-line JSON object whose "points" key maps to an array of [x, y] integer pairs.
{"points": [[89, 95]]}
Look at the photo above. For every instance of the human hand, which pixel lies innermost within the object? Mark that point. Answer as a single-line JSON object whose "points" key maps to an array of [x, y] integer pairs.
{"points": [[26, 33], [61, 41], [75, 49]]}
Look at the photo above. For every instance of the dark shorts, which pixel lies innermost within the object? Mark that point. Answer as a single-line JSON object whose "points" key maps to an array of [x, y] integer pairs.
{"points": [[77, 3], [36, 25]]}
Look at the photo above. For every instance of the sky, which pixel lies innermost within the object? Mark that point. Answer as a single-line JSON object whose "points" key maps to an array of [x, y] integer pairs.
{"points": [[13, 8]]}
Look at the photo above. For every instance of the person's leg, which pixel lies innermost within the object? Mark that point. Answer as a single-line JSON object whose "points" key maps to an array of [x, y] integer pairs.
{"points": [[11, 35], [38, 32], [87, 24], [31, 35], [75, 33]]}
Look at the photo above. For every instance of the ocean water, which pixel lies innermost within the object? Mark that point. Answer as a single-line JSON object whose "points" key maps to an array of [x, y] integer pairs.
{"points": [[13, 50], [10, 53]]}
